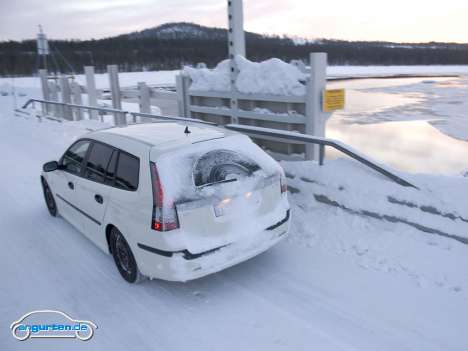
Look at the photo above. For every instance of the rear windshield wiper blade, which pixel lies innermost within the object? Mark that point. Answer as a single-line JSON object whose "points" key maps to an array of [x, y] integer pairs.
{"points": [[219, 182]]}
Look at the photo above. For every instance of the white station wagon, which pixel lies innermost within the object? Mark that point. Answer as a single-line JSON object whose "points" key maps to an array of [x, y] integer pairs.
{"points": [[170, 201]]}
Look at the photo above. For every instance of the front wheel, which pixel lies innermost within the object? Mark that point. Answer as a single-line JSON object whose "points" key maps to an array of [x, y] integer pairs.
{"points": [[123, 258], [49, 198]]}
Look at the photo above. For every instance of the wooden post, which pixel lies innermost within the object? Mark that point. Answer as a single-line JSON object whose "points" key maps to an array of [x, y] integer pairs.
{"points": [[236, 45], [186, 87], [76, 93], [180, 95], [113, 71], [236, 36], [53, 94], [45, 89], [144, 97], [65, 94], [316, 118], [91, 90]]}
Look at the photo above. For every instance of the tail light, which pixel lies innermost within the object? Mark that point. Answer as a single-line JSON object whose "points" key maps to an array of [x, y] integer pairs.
{"points": [[283, 184], [164, 212]]}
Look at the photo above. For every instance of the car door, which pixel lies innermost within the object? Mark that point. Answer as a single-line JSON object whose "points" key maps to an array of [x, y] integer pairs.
{"points": [[65, 182], [93, 189]]}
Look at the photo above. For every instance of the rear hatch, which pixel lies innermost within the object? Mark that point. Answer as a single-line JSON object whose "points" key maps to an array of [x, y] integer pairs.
{"points": [[222, 191]]}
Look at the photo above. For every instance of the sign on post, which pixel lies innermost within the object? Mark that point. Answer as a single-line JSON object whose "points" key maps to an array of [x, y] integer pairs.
{"points": [[333, 99]]}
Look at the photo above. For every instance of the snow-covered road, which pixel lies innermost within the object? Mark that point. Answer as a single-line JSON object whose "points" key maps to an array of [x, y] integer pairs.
{"points": [[340, 282]]}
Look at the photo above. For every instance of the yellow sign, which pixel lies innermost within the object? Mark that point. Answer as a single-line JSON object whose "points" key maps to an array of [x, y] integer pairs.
{"points": [[333, 100]]}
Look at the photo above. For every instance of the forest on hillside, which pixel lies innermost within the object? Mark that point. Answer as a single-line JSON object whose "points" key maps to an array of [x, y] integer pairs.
{"points": [[165, 48]]}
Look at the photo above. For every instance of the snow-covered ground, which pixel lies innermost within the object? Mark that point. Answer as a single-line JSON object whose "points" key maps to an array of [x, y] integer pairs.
{"points": [[368, 265], [168, 77]]}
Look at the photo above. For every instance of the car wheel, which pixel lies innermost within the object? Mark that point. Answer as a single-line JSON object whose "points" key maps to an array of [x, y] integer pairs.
{"points": [[49, 198], [123, 257]]}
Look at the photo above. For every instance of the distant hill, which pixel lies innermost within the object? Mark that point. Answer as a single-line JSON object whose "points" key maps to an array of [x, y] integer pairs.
{"points": [[171, 45]]}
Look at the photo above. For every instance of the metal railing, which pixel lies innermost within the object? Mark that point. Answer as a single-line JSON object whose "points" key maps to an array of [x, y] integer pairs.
{"points": [[286, 136], [277, 135], [114, 111]]}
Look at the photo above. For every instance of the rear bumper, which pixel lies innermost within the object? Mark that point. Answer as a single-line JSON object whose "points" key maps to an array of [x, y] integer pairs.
{"points": [[185, 266]]}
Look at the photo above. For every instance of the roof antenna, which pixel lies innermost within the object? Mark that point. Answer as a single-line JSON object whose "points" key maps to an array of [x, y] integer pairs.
{"points": [[187, 131]]}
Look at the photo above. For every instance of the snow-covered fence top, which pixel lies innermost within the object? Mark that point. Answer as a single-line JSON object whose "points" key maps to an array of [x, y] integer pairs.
{"points": [[272, 94], [273, 77]]}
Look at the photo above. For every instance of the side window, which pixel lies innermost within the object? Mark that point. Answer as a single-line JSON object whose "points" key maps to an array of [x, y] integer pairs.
{"points": [[110, 175], [128, 172], [73, 159], [98, 161]]}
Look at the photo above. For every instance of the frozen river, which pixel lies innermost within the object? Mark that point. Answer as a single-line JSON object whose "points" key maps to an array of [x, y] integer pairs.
{"points": [[413, 124]]}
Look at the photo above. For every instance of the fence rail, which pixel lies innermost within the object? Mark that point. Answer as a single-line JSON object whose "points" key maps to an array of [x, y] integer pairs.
{"points": [[322, 142], [273, 134]]}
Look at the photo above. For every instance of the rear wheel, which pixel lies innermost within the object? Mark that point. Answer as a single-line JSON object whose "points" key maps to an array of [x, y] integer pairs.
{"points": [[49, 198], [123, 257]]}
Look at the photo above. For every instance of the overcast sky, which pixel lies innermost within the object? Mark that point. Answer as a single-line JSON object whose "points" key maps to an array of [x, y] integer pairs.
{"points": [[392, 20]]}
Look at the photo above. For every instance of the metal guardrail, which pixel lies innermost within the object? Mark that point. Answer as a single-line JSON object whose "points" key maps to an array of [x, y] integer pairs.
{"points": [[115, 111], [277, 135], [286, 136], [171, 118]]}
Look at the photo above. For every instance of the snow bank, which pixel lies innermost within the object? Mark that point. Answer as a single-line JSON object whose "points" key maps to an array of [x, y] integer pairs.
{"points": [[272, 76], [205, 79]]}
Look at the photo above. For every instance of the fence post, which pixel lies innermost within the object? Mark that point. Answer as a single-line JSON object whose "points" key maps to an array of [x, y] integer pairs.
{"points": [[236, 36], [65, 94], [113, 72], [53, 94], [144, 97], [187, 101], [91, 90], [180, 95], [315, 121], [76, 93], [45, 89]]}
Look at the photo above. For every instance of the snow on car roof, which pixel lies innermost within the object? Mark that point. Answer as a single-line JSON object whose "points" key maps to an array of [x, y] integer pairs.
{"points": [[161, 133]]}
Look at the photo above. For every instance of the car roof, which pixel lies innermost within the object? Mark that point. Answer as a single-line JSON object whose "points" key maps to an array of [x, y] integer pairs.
{"points": [[163, 133]]}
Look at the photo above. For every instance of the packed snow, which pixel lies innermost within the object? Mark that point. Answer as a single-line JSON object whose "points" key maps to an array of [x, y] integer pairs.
{"points": [[368, 265], [272, 76]]}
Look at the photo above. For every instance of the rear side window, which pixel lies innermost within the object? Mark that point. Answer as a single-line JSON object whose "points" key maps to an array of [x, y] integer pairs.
{"points": [[73, 159], [98, 162], [128, 172]]}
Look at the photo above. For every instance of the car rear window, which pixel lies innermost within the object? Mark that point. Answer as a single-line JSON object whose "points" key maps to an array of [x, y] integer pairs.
{"points": [[128, 172], [209, 168], [220, 166]]}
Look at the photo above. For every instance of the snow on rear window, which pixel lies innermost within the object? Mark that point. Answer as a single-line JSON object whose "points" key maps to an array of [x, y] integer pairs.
{"points": [[185, 173]]}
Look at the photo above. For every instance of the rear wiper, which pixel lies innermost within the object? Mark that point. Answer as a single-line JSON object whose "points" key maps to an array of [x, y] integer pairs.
{"points": [[219, 182]]}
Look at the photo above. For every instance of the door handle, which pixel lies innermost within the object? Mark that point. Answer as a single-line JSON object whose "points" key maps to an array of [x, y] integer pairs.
{"points": [[71, 185], [98, 199]]}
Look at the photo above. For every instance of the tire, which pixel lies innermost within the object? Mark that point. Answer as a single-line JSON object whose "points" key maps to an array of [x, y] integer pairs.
{"points": [[49, 198], [123, 257]]}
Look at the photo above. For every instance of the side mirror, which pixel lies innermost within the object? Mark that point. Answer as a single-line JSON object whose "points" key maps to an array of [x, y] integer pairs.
{"points": [[50, 166]]}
